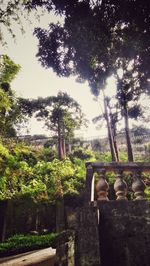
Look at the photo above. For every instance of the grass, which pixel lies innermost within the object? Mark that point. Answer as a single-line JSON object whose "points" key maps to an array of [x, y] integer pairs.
{"points": [[24, 243]]}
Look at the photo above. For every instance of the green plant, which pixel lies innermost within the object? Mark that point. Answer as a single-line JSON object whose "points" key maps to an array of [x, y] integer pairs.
{"points": [[83, 154], [147, 192], [22, 243]]}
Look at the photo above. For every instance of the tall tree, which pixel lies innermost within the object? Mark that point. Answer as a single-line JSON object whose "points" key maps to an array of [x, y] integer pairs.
{"points": [[95, 37], [111, 120], [61, 113]]}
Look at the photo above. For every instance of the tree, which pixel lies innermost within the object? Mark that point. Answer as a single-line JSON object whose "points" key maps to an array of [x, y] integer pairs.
{"points": [[96, 40], [12, 15], [9, 109], [61, 113], [111, 116], [140, 130]]}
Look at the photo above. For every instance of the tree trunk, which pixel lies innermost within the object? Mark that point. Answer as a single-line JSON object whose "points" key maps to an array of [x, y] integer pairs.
{"points": [[60, 149], [115, 144], [64, 147], [60, 144], [110, 137], [64, 143], [128, 140]]}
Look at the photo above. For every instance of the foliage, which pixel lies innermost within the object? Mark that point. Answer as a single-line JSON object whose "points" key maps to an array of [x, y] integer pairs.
{"points": [[147, 192], [13, 13], [95, 39], [23, 243], [25, 171], [103, 156], [8, 69], [47, 154], [10, 113], [140, 130], [147, 147], [34, 174], [83, 154]]}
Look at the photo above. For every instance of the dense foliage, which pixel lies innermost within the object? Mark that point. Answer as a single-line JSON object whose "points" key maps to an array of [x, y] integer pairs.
{"points": [[28, 172], [23, 243], [10, 113], [25, 171]]}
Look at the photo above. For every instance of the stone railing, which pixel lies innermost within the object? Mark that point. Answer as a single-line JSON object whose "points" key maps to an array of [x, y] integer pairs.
{"points": [[101, 188]]}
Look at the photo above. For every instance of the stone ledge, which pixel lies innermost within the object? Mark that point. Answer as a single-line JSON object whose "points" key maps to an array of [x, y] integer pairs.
{"points": [[44, 257]]}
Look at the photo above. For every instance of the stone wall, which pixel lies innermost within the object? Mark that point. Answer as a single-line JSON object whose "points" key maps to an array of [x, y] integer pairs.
{"points": [[121, 238], [124, 230], [65, 253], [87, 239], [82, 223]]}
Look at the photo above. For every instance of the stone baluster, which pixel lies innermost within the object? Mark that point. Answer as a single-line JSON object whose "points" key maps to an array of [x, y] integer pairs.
{"points": [[102, 186], [89, 191], [138, 185], [120, 186]]}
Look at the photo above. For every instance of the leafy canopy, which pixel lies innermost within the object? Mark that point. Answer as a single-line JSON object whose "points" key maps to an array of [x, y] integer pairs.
{"points": [[96, 38]]}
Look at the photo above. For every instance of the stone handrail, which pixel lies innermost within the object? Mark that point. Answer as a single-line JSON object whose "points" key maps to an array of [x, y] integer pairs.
{"points": [[135, 170]]}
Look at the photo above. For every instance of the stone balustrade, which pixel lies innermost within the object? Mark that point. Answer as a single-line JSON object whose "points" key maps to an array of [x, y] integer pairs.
{"points": [[99, 190]]}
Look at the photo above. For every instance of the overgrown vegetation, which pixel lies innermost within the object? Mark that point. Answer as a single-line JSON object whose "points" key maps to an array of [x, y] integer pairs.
{"points": [[24, 171], [40, 175]]}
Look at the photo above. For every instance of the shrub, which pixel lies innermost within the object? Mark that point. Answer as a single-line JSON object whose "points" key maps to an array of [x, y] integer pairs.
{"points": [[23, 243], [82, 154]]}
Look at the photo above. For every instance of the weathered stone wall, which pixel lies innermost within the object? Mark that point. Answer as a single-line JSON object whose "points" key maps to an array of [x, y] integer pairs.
{"points": [[87, 239], [122, 237], [124, 230], [83, 223], [65, 253]]}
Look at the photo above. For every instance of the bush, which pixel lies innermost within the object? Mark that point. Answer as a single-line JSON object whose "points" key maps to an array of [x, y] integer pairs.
{"points": [[83, 154], [21, 243], [47, 154]]}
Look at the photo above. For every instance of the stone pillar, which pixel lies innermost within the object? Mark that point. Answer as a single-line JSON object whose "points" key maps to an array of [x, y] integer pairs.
{"points": [[85, 223], [79, 244], [65, 252], [87, 238], [88, 195]]}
